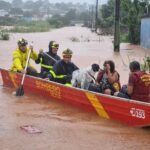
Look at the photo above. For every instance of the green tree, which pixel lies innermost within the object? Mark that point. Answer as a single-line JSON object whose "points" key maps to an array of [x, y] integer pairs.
{"points": [[17, 3], [107, 14], [84, 16], [28, 4], [131, 12], [38, 4], [71, 14], [136, 11], [5, 5], [16, 11]]}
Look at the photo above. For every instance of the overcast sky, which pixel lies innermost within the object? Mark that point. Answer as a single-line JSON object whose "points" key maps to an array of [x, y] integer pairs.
{"points": [[73, 1]]}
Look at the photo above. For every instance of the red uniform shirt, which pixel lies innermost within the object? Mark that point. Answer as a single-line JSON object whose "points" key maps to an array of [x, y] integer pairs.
{"points": [[141, 86]]}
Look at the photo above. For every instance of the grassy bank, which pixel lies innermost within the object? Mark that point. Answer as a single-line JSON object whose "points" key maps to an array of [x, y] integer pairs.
{"points": [[24, 27], [34, 26], [30, 26]]}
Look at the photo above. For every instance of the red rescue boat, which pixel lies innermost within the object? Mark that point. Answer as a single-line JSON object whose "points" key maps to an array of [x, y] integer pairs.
{"points": [[130, 112]]}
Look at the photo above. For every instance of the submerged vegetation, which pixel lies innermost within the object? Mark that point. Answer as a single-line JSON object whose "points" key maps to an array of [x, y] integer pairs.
{"points": [[146, 65], [4, 35], [34, 26]]}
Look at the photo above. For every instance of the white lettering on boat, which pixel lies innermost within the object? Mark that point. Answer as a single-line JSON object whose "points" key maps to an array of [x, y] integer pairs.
{"points": [[53, 90], [138, 113]]}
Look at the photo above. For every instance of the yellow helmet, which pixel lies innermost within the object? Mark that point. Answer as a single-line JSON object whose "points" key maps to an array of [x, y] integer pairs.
{"points": [[22, 42], [67, 52], [55, 45]]}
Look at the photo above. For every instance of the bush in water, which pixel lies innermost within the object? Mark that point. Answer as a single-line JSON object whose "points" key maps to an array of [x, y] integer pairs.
{"points": [[4, 35], [146, 65]]}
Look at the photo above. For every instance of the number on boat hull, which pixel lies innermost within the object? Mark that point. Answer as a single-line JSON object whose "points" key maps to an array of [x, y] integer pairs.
{"points": [[138, 113]]}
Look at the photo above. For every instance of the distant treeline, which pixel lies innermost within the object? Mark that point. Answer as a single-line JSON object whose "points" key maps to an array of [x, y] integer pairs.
{"points": [[64, 14], [20, 13]]}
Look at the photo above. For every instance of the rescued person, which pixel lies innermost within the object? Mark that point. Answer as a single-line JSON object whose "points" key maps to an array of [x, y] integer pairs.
{"points": [[108, 78], [138, 87]]}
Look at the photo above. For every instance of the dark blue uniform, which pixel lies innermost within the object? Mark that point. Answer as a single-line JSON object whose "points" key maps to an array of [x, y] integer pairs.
{"points": [[63, 71], [46, 62]]}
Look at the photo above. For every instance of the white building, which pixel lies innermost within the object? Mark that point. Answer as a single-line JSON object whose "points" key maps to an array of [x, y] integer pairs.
{"points": [[3, 12]]}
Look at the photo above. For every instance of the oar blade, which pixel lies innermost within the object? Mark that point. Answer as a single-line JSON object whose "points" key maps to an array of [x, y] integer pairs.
{"points": [[20, 91]]}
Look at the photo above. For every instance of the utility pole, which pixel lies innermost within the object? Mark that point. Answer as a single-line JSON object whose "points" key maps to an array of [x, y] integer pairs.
{"points": [[147, 3], [117, 27], [92, 18], [96, 16]]}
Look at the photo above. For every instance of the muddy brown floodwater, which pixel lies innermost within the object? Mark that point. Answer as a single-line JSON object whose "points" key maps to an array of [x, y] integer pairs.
{"points": [[64, 127]]}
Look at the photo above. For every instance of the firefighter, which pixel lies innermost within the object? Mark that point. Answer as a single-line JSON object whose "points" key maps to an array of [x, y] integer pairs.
{"points": [[48, 59], [20, 56], [64, 68]]}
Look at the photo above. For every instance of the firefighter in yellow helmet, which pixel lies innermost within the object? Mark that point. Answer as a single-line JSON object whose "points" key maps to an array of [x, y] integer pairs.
{"points": [[20, 56], [48, 59], [63, 69]]}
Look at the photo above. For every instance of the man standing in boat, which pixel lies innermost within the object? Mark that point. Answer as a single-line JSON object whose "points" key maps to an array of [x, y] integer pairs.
{"points": [[20, 56], [48, 59], [63, 69], [138, 87]]}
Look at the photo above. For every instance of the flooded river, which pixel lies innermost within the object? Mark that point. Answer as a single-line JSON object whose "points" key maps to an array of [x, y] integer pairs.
{"points": [[64, 127]]}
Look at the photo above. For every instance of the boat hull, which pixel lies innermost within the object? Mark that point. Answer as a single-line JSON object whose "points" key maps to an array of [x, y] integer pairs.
{"points": [[130, 112]]}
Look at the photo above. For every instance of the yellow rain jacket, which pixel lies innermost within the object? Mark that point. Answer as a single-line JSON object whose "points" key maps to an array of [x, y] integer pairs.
{"points": [[20, 58]]}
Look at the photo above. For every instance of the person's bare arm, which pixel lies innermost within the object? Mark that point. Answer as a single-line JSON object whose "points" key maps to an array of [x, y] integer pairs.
{"points": [[130, 84], [129, 89], [112, 77]]}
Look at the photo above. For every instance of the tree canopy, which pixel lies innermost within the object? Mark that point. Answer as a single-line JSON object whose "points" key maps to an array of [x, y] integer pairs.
{"points": [[131, 12]]}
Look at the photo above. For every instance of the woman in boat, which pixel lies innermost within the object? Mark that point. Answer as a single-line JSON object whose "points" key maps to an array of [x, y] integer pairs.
{"points": [[82, 78], [63, 69], [48, 59], [20, 56], [138, 87], [108, 79]]}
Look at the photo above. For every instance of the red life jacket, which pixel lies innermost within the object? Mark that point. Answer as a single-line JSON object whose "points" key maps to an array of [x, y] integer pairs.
{"points": [[141, 90]]}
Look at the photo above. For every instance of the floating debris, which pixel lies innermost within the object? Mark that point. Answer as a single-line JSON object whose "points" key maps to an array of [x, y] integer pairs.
{"points": [[74, 39], [30, 129]]}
